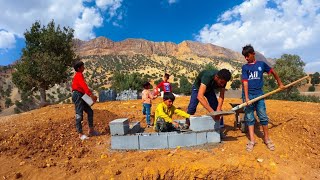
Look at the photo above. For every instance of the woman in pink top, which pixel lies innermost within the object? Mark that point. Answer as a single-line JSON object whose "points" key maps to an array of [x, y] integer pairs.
{"points": [[146, 100]]}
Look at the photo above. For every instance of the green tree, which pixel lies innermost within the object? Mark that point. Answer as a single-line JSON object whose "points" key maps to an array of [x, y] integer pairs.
{"points": [[210, 66], [236, 84], [315, 79], [185, 86], [125, 81], [311, 89], [45, 59], [289, 68], [8, 102]]}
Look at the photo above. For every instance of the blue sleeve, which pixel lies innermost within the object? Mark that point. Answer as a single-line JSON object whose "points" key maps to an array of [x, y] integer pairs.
{"points": [[266, 68], [244, 73]]}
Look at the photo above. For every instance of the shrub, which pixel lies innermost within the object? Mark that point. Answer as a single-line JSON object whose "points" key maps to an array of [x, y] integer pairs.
{"points": [[311, 89]]}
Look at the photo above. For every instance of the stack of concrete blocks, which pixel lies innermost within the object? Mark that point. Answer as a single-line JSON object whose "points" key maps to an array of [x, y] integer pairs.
{"points": [[107, 95], [127, 95], [203, 130]]}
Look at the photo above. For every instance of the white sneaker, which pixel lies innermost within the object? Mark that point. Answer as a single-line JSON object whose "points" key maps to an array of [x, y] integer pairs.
{"points": [[84, 137]]}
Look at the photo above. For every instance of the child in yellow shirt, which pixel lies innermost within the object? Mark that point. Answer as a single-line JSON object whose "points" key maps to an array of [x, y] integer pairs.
{"points": [[164, 112]]}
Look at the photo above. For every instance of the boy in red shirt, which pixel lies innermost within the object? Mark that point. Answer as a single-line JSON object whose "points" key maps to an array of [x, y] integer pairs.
{"points": [[165, 85], [79, 88]]}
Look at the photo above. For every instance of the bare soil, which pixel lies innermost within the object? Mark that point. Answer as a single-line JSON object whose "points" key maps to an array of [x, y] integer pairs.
{"points": [[43, 144]]}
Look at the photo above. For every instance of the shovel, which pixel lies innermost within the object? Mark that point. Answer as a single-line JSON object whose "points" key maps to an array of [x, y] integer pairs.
{"points": [[234, 109]]}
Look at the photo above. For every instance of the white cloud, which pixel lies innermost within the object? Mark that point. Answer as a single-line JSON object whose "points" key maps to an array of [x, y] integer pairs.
{"points": [[17, 16], [111, 5], [273, 27], [7, 40], [84, 25]]}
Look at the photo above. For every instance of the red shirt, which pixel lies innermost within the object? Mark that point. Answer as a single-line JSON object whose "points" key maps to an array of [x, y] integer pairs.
{"points": [[166, 86], [79, 84]]}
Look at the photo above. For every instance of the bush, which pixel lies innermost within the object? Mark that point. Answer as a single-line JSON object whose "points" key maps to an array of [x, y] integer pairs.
{"points": [[311, 89]]}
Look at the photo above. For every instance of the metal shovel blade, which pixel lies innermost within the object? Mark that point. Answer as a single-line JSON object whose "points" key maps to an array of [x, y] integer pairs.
{"points": [[221, 113]]}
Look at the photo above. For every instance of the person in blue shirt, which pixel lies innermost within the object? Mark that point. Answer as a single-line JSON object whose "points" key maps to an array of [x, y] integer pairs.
{"points": [[252, 79]]}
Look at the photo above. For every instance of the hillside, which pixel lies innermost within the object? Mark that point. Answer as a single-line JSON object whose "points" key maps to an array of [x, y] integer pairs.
{"points": [[43, 144], [103, 57]]}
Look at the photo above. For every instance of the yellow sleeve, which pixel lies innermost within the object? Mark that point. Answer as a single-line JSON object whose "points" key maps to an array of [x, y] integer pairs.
{"points": [[162, 114], [181, 113]]}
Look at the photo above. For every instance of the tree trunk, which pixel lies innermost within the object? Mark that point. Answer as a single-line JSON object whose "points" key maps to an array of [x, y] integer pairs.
{"points": [[43, 100]]}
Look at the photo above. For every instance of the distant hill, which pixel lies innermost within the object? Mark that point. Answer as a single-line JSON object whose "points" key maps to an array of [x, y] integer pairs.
{"points": [[151, 59]]}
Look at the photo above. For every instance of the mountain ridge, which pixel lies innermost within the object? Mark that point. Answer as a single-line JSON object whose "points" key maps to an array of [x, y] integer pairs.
{"points": [[104, 46]]}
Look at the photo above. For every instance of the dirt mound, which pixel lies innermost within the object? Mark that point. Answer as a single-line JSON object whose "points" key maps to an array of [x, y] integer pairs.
{"points": [[43, 144]]}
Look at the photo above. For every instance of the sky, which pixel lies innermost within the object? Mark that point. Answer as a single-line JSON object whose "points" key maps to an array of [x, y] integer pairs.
{"points": [[272, 27]]}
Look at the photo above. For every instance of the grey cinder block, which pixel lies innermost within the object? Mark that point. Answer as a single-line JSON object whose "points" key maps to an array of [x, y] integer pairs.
{"points": [[213, 137], [203, 123], [153, 140], [182, 139], [119, 126], [201, 138], [134, 127], [125, 142]]}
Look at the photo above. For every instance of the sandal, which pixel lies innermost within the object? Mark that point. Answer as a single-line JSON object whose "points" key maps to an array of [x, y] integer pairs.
{"points": [[270, 145], [250, 145]]}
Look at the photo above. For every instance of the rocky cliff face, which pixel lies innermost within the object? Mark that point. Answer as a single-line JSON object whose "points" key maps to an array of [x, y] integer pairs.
{"points": [[104, 46]]}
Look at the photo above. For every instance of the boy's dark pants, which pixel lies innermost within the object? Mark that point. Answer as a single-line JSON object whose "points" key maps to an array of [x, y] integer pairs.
{"points": [[163, 126], [211, 97], [81, 106]]}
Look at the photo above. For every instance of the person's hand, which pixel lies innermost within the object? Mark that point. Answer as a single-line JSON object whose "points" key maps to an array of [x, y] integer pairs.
{"points": [[247, 102], [94, 98], [175, 124], [281, 86]]}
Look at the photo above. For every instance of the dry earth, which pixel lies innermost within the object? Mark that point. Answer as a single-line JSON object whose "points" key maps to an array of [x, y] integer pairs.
{"points": [[43, 144]]}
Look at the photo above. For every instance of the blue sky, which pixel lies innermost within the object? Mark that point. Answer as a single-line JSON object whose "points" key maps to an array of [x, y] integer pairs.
{"points": [[273, 27]]}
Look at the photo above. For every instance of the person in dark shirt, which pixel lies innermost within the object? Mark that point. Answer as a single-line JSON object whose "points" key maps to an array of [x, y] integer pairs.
{"points": [[203, 91], [79, 88]]}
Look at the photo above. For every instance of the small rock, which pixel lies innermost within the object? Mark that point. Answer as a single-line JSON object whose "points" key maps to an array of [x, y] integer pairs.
{"points": [[18, 175], [118, 172], [22, 163], [260, 160]]}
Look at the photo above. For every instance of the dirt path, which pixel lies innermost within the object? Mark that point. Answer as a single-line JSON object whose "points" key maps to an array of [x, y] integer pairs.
{"points": [[43, 144]]}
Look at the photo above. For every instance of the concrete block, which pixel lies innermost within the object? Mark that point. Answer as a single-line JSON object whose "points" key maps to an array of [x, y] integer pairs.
{"points": [[213, 137], [182, 139], [153, 141], [201, 138], [125, 142], [134, 127], [119, 126], [203, 123]]}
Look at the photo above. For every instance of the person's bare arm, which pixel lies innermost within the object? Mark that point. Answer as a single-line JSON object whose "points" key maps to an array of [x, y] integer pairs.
{"points": [[221, 99], [202, 99], [275, 75], [246, 91]]}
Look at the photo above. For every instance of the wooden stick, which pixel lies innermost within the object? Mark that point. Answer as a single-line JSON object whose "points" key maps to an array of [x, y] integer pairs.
{"points": [[268, 94]]}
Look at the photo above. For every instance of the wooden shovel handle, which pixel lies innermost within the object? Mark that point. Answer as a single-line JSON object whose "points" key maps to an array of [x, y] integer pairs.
{"points": [[268, 94]]}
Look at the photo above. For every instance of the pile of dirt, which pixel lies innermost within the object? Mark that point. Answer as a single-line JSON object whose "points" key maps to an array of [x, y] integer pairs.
{"points": [[43, 144]]}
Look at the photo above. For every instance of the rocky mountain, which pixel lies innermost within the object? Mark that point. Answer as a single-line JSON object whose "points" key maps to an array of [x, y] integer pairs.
{"points": [[151, 59], [105, 46]]}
